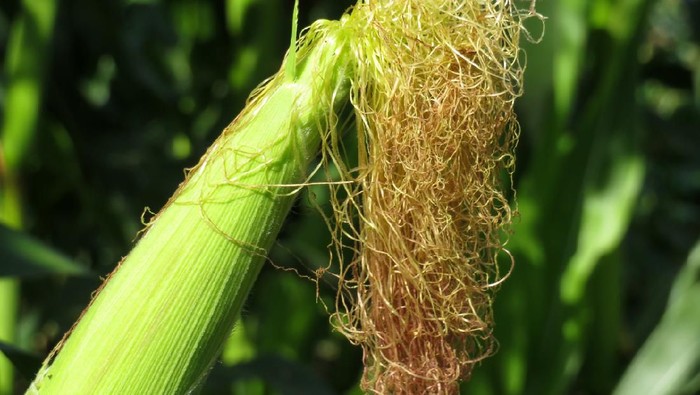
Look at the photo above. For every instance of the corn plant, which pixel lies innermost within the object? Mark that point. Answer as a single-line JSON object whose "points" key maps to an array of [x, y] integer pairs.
{"points": [[424, 208], [605, 181]]}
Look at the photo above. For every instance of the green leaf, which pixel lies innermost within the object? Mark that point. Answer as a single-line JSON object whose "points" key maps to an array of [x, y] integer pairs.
{"points": [[606, 214], [669, 361], [23, 255], [285, 377], [27, 364]]}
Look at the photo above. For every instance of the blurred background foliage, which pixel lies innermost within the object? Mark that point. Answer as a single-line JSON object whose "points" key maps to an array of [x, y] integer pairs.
{"points": [[105, 103]]}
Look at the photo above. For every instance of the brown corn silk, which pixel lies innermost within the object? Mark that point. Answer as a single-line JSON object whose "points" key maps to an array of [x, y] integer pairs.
{"points": [[424, 209]]}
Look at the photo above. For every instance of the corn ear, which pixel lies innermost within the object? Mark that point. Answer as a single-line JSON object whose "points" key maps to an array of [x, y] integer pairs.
{"points": [[160, 320]]}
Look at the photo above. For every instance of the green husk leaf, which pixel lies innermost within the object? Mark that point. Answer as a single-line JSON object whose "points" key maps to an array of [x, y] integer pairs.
{"points": [[159, 321]]}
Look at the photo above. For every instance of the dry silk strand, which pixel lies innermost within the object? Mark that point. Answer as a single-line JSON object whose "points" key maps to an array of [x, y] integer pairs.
{"points": [[424, 218]]}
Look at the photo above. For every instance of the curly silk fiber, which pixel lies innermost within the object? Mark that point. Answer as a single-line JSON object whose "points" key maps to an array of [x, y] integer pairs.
{"points": [[424, 210]]}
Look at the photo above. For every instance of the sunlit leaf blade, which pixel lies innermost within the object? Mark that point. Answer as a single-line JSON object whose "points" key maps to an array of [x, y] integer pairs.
{"points": [[669, 361], [22, 255]]}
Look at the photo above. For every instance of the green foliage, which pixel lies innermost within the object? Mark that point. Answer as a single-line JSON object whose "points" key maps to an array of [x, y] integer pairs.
{"points": [[668, 362], [23, 255], [566, 319], [28, 43], [608, 183], [27, 364]]}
